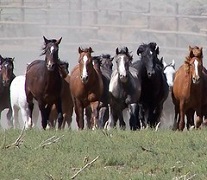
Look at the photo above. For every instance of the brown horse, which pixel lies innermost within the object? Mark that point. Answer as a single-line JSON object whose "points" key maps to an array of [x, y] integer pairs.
{"points": [[86, 87], [67, 102], [6, 77], [187, 90], [43, 82]]}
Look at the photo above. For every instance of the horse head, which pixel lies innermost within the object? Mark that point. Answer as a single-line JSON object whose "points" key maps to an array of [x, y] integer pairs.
{"points": [[123, 59], [106, 61], [63, 69], [149, 57], [196, 52], [194, 67], [51, 52], [7, 68], [85, 63], [169, 71]]}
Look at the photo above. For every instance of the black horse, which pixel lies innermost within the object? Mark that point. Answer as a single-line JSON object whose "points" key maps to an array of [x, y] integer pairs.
{"points": [[154, 84], [6, 77]]}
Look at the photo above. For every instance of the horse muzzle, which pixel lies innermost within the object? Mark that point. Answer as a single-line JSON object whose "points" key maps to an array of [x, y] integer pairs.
{"points": [[123, 78], [84, 79], [196, 79], [50, 67]]}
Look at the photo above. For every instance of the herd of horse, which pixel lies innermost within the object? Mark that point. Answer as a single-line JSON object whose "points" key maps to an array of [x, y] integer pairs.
{"points": [[99, 92]]}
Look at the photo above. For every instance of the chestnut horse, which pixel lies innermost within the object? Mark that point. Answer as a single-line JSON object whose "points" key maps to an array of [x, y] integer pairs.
{"points": [[187, 90], [86, 87], [6, 77], [43, 82]]}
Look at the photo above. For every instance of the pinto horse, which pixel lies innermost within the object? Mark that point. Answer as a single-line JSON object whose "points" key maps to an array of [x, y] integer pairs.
{"points": [[187, 90], [6, 77], [125, 90], [43, 82], [154, 84], [86, 87]]}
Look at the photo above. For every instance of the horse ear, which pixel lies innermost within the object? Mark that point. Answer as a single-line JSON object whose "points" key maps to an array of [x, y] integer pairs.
{"points": [[80, 50], [190, 48], [58, 41], [117, 51], [173, 63], [46, 40], [140, 50], [127, 50], [90, 50], [157, 49]]}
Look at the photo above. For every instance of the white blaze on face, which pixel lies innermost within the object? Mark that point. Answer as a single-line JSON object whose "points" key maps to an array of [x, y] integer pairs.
{"points": [[122, 70], [52, 49], [169, 72], [196, 67], [84, 73]]}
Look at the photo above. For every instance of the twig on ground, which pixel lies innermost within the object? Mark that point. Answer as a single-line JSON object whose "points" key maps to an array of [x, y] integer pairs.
{"points": [[148, 150], [84, 167], [18, 141], [49, 141]]}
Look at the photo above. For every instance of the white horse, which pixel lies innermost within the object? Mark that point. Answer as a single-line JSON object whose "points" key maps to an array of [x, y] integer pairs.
{"points": [[19, 102]]}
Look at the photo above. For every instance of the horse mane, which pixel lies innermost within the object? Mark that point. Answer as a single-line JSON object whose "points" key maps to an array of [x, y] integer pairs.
{"points": [[44, 48], [107, 56], [124, 50], [86, 49]]}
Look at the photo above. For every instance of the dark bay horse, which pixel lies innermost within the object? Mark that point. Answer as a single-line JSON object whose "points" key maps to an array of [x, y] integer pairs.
{"points": [[66, 99], [6, 77], [86, 87], [154, 84], [125, 90], [43, 82], [105, 64], [188, 90]]}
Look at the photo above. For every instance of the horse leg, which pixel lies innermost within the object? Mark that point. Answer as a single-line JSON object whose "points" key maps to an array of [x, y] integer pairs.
{"points": [[45, 112], [35, 115], [175, 122], [142, 116], [103, 116], [122, 124], [9, 117], [58, 105], [94, 114], [190, 118], [79, 114], [15, 117], [113, 118], [181, 122], [88, 116], [134, 121], [27, 121]]}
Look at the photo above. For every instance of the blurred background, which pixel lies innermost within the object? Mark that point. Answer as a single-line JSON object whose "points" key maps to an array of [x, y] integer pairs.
{"points": [[102, 24]]}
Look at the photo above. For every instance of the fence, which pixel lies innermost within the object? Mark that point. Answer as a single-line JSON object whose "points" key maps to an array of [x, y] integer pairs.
{"points": [[102, 24]]}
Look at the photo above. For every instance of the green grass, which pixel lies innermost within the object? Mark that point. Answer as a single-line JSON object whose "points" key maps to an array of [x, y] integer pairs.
{"points": [[121, 155]]}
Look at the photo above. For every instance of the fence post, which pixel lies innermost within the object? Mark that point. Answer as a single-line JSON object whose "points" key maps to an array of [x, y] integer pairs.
{"points": [[120, 20]]}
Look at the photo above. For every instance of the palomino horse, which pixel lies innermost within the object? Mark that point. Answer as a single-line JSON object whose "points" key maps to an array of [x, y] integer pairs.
{"points": [[43, 82], [86, 87], [125, 90], [154, 84], [67, 102], [19, 103], [6, 77], [187, 90]]}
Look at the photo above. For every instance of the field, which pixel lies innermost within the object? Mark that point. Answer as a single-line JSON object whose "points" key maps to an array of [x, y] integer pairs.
{"points": [[116, 154]]}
